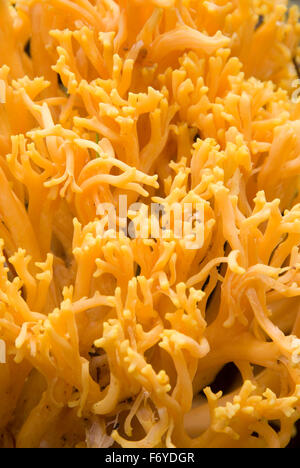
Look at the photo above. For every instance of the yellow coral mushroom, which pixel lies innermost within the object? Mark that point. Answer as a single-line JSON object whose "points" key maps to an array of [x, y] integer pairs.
{"points": [[117, 339]]}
